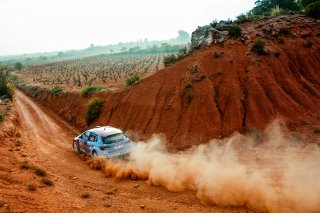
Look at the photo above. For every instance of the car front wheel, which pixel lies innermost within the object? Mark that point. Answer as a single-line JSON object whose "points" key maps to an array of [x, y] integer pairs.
{"points": [[76, 148]]}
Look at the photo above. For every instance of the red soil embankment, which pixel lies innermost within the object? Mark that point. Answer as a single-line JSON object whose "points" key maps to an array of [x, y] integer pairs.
{"points": [[209, 95]]}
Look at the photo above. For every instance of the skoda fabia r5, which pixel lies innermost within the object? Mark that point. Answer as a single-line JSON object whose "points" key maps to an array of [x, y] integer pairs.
{"points": [[102, 142]]}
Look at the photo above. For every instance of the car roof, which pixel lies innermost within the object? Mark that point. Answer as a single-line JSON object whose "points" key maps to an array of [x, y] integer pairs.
{"points": [[105, 131]]}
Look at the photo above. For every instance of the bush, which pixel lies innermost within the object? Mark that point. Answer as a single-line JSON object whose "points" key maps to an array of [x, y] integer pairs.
{"points": [[132, 79], [40, 172], [90, 89], [56, 90], [242, 19], [169, 59], [85, 195], [235, 30], [217, 54], [47, 181], [94, 110], [1, 117], [32, 187], [258, 47], [313, 9], [6, 89]]}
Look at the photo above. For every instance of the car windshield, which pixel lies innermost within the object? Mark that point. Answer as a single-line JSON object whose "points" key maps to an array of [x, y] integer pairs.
{"points": [[114, 138]]}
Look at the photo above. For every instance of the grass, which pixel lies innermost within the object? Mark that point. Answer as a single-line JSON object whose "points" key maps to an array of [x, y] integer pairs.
{"points": [[94, 110], [47, 181], [132, 79], [91, 89], [32, 187], [40, 172], [85, 195]]}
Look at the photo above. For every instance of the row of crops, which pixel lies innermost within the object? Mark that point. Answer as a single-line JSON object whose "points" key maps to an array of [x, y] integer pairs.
{"points": [[100, 69]]}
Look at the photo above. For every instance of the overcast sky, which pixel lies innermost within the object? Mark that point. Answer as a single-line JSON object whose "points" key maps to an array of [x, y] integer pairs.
{"points": [[49, 25]]}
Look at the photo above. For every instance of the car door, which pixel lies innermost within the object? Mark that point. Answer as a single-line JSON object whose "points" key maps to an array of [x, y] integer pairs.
{"points": [[83, 139], [92, 139]]}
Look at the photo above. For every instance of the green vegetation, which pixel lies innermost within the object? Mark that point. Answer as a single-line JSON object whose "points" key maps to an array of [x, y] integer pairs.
{"points": [[18, 65], [235, 30], [258, 47], [132, 79], [1, 117], [172, 58], [242, 19], [90, 89], [6, 89], [55, 90], [94, 110], [273, 7], [169, 59], [311, 7]]}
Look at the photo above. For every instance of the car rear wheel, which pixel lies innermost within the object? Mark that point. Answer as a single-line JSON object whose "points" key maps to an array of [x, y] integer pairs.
{"points": [[76, 148]]}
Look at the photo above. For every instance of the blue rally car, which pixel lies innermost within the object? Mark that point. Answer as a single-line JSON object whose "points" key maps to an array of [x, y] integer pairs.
{"points": [[102, 142]]}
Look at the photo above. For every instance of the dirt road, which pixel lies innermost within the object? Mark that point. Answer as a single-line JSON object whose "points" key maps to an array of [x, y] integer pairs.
{"points": [[46, 143]]}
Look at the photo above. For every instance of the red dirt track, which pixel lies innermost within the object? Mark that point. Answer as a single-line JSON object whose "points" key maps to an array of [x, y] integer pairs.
{"points": [[202, 97]]}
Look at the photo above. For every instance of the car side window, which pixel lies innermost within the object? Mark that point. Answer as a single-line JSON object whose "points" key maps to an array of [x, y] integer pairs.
{"points": [[86, 135], [93, 138]]}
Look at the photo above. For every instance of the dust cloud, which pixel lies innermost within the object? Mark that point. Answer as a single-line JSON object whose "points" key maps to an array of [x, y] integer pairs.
{"points": [[270, 171]]}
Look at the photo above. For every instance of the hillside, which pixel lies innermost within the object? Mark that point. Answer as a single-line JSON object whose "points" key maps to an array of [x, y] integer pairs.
{"points": [[219, 89]]}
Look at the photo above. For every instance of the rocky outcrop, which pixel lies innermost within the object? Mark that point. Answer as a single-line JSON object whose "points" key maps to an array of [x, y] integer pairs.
{"points": [[208, 34]]}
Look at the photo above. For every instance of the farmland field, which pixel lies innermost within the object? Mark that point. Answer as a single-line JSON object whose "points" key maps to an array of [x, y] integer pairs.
{"points": [[107, 70]]}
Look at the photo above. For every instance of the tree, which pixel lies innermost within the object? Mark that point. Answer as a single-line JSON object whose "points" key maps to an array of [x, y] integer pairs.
{"points": [[18, 65], [263, 7], [183, 36]]}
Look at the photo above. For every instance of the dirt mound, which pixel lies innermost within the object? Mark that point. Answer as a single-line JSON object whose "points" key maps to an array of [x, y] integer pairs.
{"points": [[220, 89]]}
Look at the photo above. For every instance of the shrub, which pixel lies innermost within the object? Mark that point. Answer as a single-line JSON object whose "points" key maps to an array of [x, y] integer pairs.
{"points": [[242, 19], [132, 79], [284, 31], [90, 89], [18, 65], [85, 195], [40, 172], [235, 30], [313, 9], [56, 90], [169, 59], [32, 187], [1, 117], [309, 44], [94, 110], [47, 181], [217, 54], [280, 40], [258, 47], [6, 89]]}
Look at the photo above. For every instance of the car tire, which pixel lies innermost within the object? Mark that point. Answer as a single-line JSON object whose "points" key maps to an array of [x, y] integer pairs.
{"points": [[94, 154], [75, 147]]}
